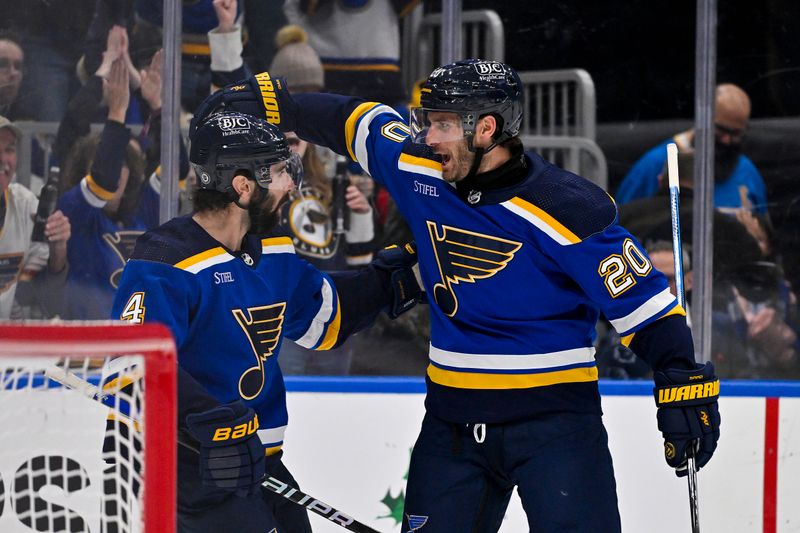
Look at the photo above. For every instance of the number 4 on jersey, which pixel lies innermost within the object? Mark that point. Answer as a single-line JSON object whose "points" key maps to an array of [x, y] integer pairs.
{"points": [[134, 310]]}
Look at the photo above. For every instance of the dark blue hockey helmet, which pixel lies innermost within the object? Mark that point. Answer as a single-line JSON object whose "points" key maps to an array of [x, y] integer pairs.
{"points": [[472, 88], [230, 143]]}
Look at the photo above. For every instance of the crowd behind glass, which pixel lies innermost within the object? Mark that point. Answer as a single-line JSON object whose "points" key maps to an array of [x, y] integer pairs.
{"points": [[71, 64]]}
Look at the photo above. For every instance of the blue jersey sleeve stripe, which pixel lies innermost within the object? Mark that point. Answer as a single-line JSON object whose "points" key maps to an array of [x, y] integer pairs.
{"points": [[653, 308], [277, 245], [199, 262], [521, 362], [327, 312], [362, 133], [516, 371], [94, 194], [466, 380], [542, 220], [332, 330], [271, 436], [350, 126], [420, 165]]}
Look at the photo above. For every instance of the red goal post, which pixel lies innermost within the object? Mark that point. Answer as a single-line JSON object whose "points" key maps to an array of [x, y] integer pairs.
{"points": [[45, 426]]}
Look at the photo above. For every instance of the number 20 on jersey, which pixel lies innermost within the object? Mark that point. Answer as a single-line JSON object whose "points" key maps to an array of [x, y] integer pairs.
{"points": [[618, 270]]}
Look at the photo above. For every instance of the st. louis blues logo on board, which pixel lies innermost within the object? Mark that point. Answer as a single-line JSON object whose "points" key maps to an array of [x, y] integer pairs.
{"points": [[262, 325], [415, 522], [466, 256]]}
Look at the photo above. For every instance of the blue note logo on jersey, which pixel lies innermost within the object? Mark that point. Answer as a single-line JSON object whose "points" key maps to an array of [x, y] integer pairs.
{"points": [[415, 522], [263, 326], [466, 256], [122, 242]]}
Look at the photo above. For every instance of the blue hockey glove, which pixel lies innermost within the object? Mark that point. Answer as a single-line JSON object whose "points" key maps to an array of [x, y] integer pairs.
{"points": [[688, 412], [231, 454], [260, 96], [399, 261]]}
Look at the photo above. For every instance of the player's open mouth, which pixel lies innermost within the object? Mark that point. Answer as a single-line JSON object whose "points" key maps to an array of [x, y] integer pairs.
{"points": [[445, 160]]}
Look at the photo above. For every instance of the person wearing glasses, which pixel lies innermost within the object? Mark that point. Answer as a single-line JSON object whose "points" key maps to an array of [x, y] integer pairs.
{"points": [[737, 181]]}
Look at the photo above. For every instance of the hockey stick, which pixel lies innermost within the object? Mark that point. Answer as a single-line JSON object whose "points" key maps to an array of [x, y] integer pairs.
{"points": [[677, 253], [294, 495]]}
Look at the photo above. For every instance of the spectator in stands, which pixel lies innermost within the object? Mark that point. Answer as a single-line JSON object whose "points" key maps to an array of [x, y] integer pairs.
{"points": [[307, 217], [263, 21], [737, 181], [21, 260], [52, 36], [358, 43], [199, 18], [755, 327], [225, 43], [112, 200], [11, 64]]}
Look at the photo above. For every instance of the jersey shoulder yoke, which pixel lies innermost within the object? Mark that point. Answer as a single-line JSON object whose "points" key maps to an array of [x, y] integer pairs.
{"points": [[571, 205]]}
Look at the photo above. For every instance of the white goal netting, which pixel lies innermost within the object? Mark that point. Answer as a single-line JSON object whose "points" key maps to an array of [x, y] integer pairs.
{"points": [[81, 447]]}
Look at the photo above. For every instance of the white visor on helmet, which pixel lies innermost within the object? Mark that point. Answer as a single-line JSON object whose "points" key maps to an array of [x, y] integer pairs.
{"points": [[433, 126]]}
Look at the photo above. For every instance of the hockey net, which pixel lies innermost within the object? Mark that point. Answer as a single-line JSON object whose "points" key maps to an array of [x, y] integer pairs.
{"points": [[87, 428]]}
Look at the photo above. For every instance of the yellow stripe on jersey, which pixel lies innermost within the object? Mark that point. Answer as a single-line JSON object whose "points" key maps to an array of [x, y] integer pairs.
{"points": [[350, 125], [196, 49], [273, 450], [276, 241], [551, 222], [677, 310], [477, 380], [193, 260], [97, 190], [332, 334], [420, 161], [626, 340]]}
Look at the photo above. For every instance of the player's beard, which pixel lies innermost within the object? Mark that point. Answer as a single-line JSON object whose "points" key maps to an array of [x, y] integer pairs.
{"points": [[726, 158], [263, 212], [460, 161]]}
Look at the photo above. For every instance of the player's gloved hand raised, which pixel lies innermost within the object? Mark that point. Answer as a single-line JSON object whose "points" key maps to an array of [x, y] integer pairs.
{"points": [[260, 96], [398, 262], [231, 454], [687, 414]]}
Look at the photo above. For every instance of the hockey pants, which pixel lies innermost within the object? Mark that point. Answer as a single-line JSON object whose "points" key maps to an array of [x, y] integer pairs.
{"points": [[462, 475]]}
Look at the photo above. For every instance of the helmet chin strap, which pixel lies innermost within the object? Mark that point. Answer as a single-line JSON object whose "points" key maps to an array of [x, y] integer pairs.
{"points": [[479, 153]]}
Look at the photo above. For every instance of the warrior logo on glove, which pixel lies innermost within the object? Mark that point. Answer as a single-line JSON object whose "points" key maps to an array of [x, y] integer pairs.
{"points": [[688, 415], [269, 97]]}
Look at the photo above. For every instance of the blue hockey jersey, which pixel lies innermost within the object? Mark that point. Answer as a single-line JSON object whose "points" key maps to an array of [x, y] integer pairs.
{"points": [[99, 246], [230, 312], [518, 276]]}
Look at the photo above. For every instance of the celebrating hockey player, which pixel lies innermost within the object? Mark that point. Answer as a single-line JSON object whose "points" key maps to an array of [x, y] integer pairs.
{"points": [[521, 257], [231, 298]]}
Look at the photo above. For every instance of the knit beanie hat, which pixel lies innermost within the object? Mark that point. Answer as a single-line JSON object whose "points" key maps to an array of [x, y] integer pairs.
{"points": [[295, 60]]}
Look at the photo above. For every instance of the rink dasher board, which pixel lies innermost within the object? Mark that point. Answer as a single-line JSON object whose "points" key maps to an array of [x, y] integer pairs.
{"points": [[349, 439], [359, 432]]}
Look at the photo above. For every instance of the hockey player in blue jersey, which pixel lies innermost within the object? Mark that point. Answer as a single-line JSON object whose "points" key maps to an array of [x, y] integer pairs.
{"points": [[521, 257], [231, 297]]}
